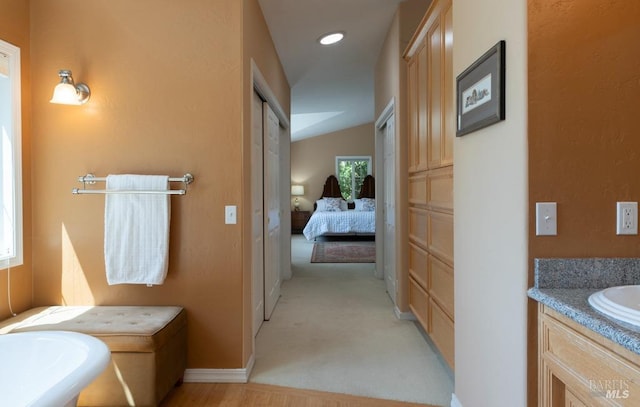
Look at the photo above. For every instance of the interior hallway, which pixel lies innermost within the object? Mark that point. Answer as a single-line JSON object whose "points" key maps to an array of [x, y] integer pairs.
{"points": [[334, 330]]}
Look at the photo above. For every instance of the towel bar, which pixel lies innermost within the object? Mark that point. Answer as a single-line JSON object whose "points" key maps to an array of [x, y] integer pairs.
{"points": [[91, 179], [79, 191]]}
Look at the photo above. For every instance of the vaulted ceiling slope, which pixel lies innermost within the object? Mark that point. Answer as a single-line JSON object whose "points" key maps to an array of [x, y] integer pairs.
{"points": [[332, 86]]}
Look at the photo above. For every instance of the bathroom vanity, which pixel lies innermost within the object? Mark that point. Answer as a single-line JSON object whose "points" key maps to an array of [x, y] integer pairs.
{"points": [[579, 367], [585, 358]]}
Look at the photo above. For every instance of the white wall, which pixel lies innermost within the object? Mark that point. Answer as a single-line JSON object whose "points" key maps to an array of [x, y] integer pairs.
{"points": [[490, 189]]}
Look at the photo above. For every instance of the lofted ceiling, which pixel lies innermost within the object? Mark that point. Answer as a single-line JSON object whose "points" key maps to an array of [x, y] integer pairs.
{"points": [[332, 87]]}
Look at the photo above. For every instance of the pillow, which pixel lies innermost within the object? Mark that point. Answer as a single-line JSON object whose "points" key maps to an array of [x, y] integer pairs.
{"points": [[332, 204], [343, 205], [321, 205], [368, 204], [358, 204]]}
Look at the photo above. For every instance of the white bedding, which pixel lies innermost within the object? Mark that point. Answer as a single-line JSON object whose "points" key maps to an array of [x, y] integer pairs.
{"points": [[351, 221]]}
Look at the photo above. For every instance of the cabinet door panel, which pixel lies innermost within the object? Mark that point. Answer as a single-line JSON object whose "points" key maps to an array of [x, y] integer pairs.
{"points": [[412, 108], [418, 189], [441, 285], [448, 97], [442, 332], [419, 227], [572, 401], [423, 110], [419, 303], [440, 189], [435, 95], [586, 367], [418, 265], [441, 236]]}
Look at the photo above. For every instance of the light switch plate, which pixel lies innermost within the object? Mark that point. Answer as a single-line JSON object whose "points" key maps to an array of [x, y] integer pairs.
{"points": [[546, 219], [230, 214]]}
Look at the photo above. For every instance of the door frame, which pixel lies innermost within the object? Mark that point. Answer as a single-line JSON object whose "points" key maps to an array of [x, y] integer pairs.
{"points": [[262, 88]]}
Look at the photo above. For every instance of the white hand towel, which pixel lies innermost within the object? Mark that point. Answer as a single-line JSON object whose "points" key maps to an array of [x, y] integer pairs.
{"points": [[136, 230]]}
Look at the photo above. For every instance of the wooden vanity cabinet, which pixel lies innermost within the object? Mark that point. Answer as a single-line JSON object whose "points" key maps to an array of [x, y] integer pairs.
{"points": [[580, 368], [431, 131]]}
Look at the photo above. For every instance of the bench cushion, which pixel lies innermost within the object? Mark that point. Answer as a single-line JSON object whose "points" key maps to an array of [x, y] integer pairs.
{"points": [[122, 328]]}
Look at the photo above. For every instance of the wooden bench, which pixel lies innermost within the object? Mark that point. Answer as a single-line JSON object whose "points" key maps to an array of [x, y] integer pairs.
{"points": [[148, 348]]}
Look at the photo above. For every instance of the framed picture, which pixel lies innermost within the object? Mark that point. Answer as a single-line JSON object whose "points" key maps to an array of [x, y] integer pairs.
{"points": [[480, 91]]}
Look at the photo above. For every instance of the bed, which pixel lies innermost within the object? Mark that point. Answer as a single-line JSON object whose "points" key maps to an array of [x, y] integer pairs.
{"points": [[333, 216]]}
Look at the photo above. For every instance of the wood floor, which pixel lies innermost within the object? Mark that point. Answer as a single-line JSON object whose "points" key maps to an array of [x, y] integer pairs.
{"points": [[252, 394]]}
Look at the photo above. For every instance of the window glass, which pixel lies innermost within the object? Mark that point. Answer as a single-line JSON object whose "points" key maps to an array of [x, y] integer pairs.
{"points": [[351, 171], [10, 154]]}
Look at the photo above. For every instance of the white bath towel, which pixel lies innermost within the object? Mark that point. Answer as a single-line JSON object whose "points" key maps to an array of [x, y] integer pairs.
{"points": [[136, 230]]}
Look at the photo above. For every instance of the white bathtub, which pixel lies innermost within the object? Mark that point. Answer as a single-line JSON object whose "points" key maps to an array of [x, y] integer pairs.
{"points": [[48, 368]]}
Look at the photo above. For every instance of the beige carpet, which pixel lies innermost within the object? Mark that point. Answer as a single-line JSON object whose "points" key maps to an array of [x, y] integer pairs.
{"points": [[334, 330]]}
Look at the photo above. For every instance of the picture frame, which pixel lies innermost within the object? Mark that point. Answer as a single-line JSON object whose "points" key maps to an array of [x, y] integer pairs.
{"points": [[480, 91]]}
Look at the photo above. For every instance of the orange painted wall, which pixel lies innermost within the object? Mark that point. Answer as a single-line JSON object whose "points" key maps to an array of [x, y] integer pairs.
{"points": [[14, 29], [584, 144], [167, 83]]}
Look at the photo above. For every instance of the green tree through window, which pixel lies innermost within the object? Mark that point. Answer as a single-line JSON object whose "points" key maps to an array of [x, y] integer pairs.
{"points": [[351, 172]]}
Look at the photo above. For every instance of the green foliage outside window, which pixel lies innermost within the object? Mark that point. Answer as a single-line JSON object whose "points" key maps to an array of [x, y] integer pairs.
{"points": [[351, 174]]}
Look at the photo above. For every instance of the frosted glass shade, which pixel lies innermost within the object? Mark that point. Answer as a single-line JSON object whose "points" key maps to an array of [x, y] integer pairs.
{"points": [[297, 190], [66, 94]]}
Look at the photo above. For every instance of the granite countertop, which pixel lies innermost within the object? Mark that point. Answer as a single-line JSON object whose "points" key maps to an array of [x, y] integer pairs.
{"points": [[573, 303], [566, 284]]}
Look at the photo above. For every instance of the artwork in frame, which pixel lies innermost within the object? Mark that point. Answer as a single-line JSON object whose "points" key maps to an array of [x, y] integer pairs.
{"points": [[480, 91]]}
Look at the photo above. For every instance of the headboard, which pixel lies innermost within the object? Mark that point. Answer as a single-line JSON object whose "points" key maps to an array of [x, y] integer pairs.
{"points": [[331, 189], [368, 189]]}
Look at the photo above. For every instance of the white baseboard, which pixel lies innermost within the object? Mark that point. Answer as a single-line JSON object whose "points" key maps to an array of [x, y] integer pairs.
{"points": [[455, 402], [408, 316], [219, 375]]}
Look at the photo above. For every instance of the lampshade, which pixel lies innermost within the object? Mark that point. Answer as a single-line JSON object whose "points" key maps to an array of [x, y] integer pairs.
{"points": [[297, 190], [67, 92]]}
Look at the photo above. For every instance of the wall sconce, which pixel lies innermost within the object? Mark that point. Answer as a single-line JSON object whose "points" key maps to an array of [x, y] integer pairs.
{"points": [[67, 92], [297, 190]]}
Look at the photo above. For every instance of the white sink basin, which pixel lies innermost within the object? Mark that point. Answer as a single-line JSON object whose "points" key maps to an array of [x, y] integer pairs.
{"points": [[621, 303], [48, 368]]}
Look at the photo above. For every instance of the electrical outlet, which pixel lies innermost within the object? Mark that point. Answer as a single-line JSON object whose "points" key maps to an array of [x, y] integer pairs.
{"points": [[627, 218]]}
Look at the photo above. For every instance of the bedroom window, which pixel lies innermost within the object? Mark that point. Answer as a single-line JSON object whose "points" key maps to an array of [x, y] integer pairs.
{"points": [[351, 171], [10, 161]]}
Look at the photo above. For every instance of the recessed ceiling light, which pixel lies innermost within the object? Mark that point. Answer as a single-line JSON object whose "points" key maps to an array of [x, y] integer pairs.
{"points": [[331, 38]]}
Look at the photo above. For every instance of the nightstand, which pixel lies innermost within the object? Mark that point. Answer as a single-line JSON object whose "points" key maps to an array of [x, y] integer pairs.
{"points": [[299, 220]]}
